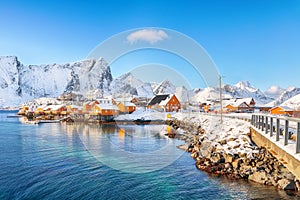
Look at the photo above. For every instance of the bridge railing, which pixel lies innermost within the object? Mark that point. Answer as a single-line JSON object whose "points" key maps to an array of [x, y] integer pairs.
{"points": [[277, 126]]}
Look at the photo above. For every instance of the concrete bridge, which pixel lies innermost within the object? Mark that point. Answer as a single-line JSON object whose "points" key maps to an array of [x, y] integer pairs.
{"points": [[281, 136]]}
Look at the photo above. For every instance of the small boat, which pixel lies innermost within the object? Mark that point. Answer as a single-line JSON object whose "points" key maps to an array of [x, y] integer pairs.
{"points": [[142, 121], [32, 122]]}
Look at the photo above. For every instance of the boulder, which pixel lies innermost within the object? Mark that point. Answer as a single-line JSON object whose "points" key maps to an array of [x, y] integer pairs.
{"points": [[194, 155], [236, 164], [297, 183], [288, 175], [228, 166], [223, 141], [259, 177], [286, 184], [230, 139], [206, 149], [259, 163], [229, 158], [221, 160], [214, 158]]}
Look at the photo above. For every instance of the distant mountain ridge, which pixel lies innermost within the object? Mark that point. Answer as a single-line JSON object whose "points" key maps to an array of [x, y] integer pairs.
{"points": [[285, 96], [244, 89], [20, 83]]}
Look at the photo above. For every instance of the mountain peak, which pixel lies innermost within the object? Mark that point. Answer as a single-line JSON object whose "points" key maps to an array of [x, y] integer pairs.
{"points": [[165, 87], [243, 84], [9, 60], [9, 57], [129, 78]]}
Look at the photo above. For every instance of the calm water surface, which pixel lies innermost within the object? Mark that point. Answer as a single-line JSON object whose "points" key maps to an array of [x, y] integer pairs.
{"points": [[56, 161]]}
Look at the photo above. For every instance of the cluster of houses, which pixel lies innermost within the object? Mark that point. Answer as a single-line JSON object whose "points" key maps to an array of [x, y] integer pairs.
{"points": [[229, 105], [242, 105], [284, 110], [68, 105], [100, 109]]}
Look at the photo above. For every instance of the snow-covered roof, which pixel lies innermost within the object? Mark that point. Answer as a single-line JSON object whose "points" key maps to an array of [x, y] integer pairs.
{"points": [[237, 102], [42, 107], [164, 102], [247, 100], [53, 107], [107, 106], [228, 102], [125, 99], [286, 108], [45, 100], [128, 104]]}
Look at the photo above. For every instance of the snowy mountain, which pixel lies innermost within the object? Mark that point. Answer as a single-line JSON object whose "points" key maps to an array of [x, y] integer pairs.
{"points": [[10, 90], [165, 87], [293, 102], [145, 90], [202, 95], [285, 95], [127, 84], [244, 89], [92, 78], [19, 83]]}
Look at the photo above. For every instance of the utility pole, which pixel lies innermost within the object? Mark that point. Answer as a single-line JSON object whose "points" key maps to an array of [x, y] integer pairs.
{"points": [[221, 105]]}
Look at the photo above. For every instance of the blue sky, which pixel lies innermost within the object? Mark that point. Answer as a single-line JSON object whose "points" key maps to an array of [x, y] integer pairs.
{"points": [[253, 40]]}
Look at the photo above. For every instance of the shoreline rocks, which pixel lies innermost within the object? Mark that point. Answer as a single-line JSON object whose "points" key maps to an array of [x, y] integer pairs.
{"points": [[232, 155]]}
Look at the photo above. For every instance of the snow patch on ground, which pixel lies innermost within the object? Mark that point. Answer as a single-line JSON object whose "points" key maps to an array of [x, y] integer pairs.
{"points": [[143, 114]]}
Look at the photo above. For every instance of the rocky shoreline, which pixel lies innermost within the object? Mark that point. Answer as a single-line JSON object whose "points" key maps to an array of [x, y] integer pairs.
{"points": [[231, 153]]}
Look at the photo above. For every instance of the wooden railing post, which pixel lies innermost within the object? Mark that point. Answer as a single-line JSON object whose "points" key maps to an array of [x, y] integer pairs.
{"points": [[266, 127], [259, 123], [256, 121], [277, 129], [262, 122], [286, 132], [271, 126], [298, 138]]}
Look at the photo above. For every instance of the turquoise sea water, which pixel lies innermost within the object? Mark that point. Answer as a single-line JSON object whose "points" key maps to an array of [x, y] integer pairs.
{"points": [[57, 161]]}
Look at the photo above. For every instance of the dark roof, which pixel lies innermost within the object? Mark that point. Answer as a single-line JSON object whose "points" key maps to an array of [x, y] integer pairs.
{"points": [[157, 99]]}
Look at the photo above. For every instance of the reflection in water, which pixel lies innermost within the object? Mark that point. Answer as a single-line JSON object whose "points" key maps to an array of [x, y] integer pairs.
{"points": [[130, 148]]}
